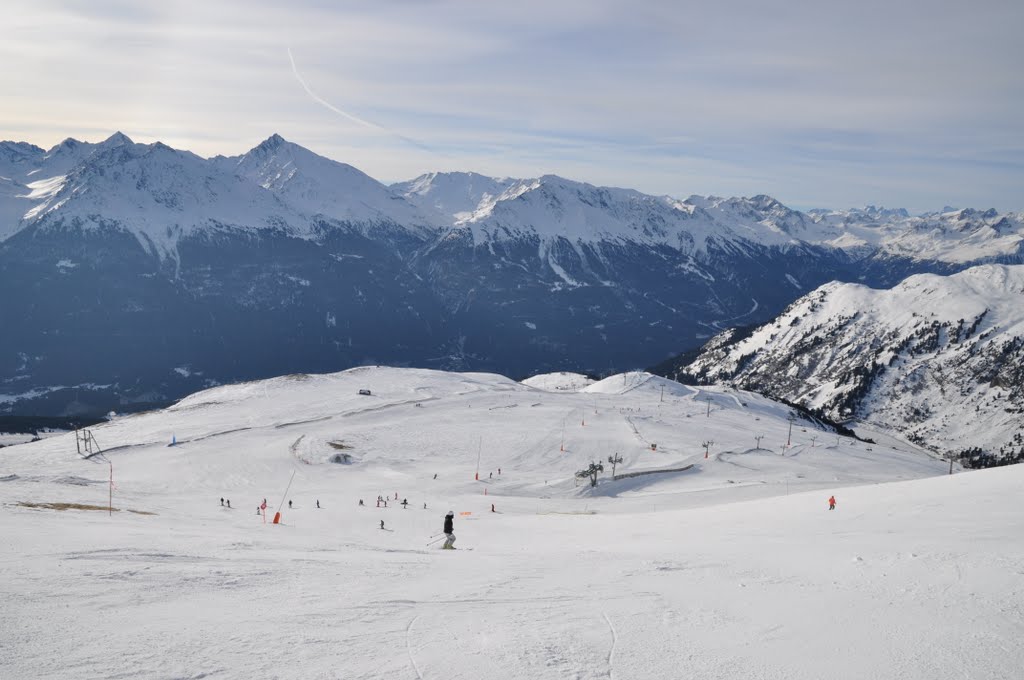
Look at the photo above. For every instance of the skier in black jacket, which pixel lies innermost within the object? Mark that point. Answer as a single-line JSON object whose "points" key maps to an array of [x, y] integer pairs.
{"points": [[449, 536]]}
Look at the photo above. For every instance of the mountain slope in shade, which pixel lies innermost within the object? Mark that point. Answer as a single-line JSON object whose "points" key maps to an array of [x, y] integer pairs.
{"points": [[939, 359]]}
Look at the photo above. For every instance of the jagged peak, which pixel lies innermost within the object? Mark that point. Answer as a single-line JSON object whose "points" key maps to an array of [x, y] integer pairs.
{"points": [[765, 201], [271, 143], [117, 139], [967, 213], [24, 148], [882, 210], [69, 144]]}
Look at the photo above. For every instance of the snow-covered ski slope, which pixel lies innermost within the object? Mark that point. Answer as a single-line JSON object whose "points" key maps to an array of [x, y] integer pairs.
{"points": [[732, 568]]}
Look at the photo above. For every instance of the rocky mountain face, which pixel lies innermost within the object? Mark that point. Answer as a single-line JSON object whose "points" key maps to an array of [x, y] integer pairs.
{"points": [[939, 359], [143, 273]]}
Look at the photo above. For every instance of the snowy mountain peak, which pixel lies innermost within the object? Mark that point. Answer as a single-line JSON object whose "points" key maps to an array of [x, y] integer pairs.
{"points": [[456, 195], [20, 149], [68, 144], [116, 139], [887, 212], [272, 142], [318, 186]]}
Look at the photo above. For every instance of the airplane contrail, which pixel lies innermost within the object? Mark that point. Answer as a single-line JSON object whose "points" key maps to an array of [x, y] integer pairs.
{"points": [[345, 114]]}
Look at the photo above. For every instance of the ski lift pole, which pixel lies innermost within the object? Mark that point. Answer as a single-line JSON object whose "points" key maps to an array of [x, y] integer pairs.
{"points": [[282, 497], [479, 453]]}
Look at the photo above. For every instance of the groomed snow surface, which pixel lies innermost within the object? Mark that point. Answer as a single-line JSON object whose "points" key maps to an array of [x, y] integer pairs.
{"points": [[732, 568]]}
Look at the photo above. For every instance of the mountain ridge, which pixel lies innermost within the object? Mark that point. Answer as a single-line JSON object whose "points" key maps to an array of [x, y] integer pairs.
{"points": [[938, 358], [310, 185]]}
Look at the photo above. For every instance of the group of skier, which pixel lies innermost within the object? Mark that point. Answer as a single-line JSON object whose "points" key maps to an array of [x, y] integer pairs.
{"points": [[262, 507], [448, 528], [383, 501]]}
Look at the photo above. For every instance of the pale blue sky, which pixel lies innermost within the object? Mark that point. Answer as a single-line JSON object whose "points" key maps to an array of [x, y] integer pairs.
{"points": [[834, 104]]}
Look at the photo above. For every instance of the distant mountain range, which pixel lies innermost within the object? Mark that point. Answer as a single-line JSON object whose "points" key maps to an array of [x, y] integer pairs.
{"points": [[939, 359], [141, 273]]}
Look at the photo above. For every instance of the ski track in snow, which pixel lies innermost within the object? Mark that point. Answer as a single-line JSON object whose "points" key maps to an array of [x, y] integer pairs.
{"points": [[615, 641], [408, 646]]}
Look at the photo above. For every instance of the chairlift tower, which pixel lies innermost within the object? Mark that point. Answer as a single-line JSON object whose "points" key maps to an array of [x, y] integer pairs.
{"points": [[614, 460]]}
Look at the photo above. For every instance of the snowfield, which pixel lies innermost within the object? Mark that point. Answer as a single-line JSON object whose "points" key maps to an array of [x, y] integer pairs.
{"points": [[732, 567]]}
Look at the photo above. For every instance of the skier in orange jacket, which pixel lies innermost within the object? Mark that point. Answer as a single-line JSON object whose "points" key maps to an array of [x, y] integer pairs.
{"points": [[832, 503]]}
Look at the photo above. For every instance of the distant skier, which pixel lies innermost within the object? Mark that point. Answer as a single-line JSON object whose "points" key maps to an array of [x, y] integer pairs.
{"points": [[382, 524], [492, 507], [832, 503], [499, 472], [222, 502], [360, 503], [435, 475], [424, 506], [405, 503], [289, 505], [448, 531], [229, 502], [490, 475], [318, 503]]}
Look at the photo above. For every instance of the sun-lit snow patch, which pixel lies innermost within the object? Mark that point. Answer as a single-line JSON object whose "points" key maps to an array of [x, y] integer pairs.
{"points": [[562, 381], [562, 274], [43, 192], [43, 391]]}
